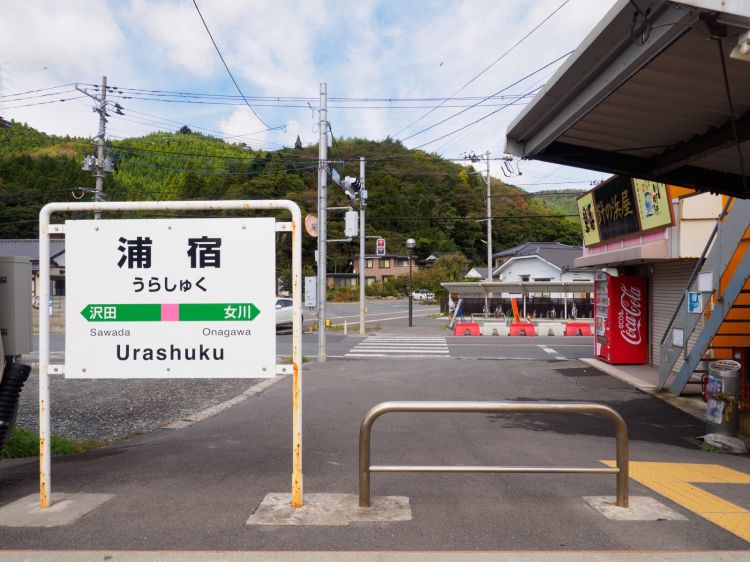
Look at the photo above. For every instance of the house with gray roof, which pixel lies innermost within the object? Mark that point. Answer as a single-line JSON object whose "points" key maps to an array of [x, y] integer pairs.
{"points": [[29, 248], [540, 261]]}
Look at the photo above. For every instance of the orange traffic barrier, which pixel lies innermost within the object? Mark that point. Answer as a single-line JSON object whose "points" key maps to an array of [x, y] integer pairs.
{"points": [[516, 316], [466, 329], [522, 328], [578, 329]]}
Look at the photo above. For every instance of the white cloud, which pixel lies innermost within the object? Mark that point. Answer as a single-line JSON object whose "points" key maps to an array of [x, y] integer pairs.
{"points": [[367, 49]]}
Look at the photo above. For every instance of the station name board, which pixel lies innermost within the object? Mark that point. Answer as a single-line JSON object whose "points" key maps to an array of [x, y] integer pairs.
{"points": [[170, 298]]}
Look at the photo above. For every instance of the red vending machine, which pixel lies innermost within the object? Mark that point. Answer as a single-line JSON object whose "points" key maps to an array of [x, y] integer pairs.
{"points": [[621, 318]]}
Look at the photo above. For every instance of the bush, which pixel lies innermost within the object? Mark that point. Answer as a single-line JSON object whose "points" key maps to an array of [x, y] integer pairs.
{"points": [[343, 294], [25, 443], [394, 287]]}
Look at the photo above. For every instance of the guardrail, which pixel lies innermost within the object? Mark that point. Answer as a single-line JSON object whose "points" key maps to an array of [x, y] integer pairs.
{"points": [[621, 436]]}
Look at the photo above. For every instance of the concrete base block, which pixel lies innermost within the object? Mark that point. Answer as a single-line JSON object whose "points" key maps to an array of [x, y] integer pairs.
{"points": [[550, 329], [65, 509], [329, 509], [494, 329], [642, 508]]}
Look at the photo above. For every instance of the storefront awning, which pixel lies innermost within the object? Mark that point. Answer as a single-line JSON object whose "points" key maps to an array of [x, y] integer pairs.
{"points": [[647, 98], [499, 287]]}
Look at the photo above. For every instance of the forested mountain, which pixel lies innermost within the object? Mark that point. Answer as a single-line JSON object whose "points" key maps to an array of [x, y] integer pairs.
{"points": [[411, 193], [561, 200]]}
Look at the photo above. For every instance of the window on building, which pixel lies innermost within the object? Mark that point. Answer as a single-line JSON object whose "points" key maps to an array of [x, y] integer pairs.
{"points": [[400, 262], [58, 287], [369, 280], [368, 264], [524, 277], [543, 279], [385, 263]]}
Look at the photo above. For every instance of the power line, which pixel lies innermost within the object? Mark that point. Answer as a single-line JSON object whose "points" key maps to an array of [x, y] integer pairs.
{"points": [[43, 102], [227, 67], [183, 95], [529, 75], [221, 173], [15, 98], [472, 219], [485, 69], [37, 90]]}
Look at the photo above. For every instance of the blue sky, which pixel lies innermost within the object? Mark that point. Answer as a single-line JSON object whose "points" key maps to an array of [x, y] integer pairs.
{"points": [[378, 50]]}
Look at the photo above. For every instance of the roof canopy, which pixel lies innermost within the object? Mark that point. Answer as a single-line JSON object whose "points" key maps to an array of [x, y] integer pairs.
{"points": [[519, 287], [657, 109]]}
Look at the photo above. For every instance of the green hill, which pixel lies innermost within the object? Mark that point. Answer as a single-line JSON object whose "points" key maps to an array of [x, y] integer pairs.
{"points": [[411, 193], [561, 200]]}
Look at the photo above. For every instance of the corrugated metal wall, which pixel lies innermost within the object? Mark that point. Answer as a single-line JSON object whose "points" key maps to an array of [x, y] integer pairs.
{"points": [[668, 283]]}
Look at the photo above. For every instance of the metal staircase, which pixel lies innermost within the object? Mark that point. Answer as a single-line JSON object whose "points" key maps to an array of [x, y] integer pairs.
{"points": [[724, 247]]}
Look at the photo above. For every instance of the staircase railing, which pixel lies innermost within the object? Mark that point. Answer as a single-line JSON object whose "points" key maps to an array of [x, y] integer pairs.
{"points": [[720, 246]]}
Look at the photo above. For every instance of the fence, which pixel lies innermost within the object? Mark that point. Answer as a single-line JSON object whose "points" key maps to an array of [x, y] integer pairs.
{"points": [[536, 307], [621, 435]]}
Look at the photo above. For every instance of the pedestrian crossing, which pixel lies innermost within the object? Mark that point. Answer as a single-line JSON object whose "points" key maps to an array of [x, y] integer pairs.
{"points": [[401, 346]]}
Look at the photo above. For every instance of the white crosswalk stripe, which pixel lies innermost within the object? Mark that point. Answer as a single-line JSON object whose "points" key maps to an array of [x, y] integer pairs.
{"points": [[400, 346]]}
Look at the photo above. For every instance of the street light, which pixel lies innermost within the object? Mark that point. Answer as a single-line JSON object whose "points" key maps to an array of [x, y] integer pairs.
{"points": [[410, 245]]}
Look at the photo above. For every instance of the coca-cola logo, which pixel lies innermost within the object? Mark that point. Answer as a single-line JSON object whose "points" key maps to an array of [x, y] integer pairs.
{"points": [[629, 317]]}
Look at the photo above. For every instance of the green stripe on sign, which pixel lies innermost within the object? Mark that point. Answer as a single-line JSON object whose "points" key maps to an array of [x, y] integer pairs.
{"points": [[218, 312], [122, 312]]}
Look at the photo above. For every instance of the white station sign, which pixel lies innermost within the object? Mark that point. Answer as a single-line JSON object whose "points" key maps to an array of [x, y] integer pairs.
{"points": [[170, 298]]}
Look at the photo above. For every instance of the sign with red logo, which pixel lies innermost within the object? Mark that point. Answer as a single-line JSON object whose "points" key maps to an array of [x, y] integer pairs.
{"points": [[621, 314], [629, 319]]}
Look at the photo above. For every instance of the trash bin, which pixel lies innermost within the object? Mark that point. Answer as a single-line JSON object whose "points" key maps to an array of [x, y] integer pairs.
{"points": [[722, 390]]}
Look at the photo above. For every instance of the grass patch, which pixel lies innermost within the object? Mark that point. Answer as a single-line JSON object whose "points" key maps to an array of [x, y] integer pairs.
{"points": [[288, 360], [25, 443]]}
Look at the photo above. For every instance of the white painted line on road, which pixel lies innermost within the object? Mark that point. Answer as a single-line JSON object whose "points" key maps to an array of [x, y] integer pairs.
{"points": [[372, 321], [404, 346], [420, 338], [403, 349], [553, 352], [392, 356], [210, 412]]}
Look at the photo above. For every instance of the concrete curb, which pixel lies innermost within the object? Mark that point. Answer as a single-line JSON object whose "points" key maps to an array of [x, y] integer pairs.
{"points": [[694, 407]]}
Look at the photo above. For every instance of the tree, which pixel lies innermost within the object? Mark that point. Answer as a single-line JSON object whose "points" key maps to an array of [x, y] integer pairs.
{"points": [[184, 130], [298, 143], [446, 269]]}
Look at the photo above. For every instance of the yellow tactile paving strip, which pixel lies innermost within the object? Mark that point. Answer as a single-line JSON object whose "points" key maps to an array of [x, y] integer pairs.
{"points": [[675, 482]]}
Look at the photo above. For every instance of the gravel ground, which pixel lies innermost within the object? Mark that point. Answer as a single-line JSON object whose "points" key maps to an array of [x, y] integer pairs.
{"points": [[108, 408]]}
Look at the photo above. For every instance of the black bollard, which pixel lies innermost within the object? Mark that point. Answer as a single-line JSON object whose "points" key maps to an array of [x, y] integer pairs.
{"points": [[14, 377]]}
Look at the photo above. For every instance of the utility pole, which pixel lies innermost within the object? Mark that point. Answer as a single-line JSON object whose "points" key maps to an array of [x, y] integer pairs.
{"points": [[99, 174], [362, 205], [99, 165], [489, 231], [489, 220], [322, 208]]}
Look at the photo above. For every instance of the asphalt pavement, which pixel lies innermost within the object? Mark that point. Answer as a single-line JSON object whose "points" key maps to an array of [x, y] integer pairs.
{"points": [[194, 488]]}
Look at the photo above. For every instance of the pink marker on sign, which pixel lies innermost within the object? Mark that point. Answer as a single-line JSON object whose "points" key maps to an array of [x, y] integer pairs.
{"points": [[170, 312]]}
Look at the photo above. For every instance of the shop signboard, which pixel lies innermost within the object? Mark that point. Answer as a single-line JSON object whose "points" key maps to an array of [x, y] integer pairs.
{"points": [[587, 215], [621, 207]]}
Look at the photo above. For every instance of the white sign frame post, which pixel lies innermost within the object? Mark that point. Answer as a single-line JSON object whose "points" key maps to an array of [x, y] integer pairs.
{"points": [[45, 369]]}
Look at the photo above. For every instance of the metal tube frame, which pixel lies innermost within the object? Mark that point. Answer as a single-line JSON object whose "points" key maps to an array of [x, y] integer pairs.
{"points": [[621, 436], [362, 206], [411, 291], [45, 472]]}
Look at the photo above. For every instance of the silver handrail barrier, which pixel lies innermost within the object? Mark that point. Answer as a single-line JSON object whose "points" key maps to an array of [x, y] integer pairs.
{"points": [[621, 437]]}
